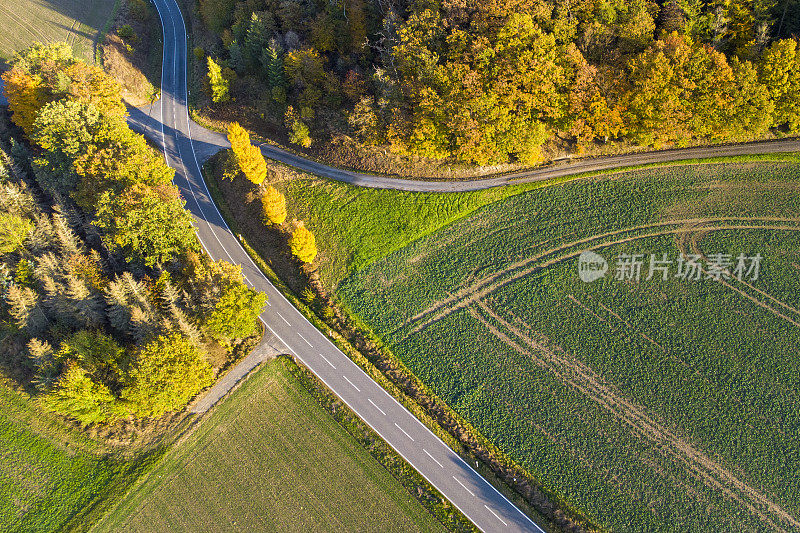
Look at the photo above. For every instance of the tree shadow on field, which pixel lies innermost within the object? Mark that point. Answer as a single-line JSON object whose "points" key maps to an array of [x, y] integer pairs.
{"points": [[90, 14], [75, 31]]}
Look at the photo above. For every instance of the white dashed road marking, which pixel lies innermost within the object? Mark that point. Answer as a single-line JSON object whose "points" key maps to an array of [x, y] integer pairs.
{"points": [[376, 407], [432, 457], [404, 432], [351, 383], [495, 514], [202, 198], [465, 487], [326, 360], [301, 336]]}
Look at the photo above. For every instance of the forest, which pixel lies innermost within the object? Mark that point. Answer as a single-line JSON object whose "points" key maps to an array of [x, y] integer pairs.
{"points": [[109, 310], [494, 81]]}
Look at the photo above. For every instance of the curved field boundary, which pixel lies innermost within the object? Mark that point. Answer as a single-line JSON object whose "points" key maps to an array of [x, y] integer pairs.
{"points": [[550, 172], [145, 121]]}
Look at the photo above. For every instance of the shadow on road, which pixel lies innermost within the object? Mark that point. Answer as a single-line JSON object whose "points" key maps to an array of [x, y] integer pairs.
{"points": [[3, 100], [145, 120]]}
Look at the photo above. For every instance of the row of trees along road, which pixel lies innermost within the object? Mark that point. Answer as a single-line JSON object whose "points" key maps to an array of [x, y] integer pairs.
{"points": [[108, 308], [248, 159]]}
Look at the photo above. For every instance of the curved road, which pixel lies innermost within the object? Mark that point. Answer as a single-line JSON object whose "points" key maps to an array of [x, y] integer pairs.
{"points": [[445, 470], [539, 174], [211, 142]]}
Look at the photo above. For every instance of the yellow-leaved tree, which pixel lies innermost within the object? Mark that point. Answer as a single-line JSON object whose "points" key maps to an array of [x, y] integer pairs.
{"points": [[253, 165], [249, 157], [90, 84], [780, 73], [303, 244], [238, 137], [218, 82], [45, 73], [273, 205], [25, 97]]}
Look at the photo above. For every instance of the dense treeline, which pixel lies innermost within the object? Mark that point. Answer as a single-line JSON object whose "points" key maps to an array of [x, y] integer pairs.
{"points": [[487, 82], [108, 308]]}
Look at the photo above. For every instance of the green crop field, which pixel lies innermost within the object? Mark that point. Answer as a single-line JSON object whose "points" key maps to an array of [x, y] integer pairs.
{"points": [[50, 476], [269, 459], [78, 22], [660, 405], [355, 226]]}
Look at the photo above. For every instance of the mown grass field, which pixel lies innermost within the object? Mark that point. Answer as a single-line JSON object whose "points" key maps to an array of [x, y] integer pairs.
{"points": [[355, 226], [78, 22], [269, 459], [50, 475], [654, 406]]}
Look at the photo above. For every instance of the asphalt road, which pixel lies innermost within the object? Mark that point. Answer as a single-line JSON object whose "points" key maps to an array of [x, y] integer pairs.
{"points": [[556, 170], [209, 142], [446, 471]]}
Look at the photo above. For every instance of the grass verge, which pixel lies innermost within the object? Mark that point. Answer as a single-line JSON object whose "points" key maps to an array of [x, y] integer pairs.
{"points": [[366, 351], [133, 56], [101, 35], [356, 226]]}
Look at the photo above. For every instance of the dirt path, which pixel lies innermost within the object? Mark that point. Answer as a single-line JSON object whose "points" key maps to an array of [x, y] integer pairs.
{"points": [[268, 348]]}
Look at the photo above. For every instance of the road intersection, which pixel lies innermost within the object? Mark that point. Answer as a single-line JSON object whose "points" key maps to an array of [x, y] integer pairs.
{"points": [[186, 144], [487, 508]]}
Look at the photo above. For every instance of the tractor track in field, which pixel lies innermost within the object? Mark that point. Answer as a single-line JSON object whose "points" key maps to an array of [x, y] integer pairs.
{"points": [[694, 238], [576, 373], [670, 354], [479, 289], [22, 22]]}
